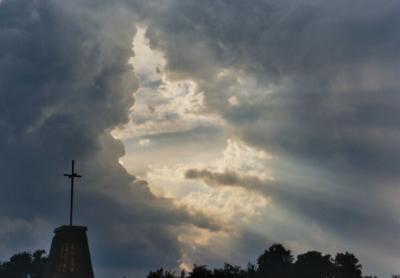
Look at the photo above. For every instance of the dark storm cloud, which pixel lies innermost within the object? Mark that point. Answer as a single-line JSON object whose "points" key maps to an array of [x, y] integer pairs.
{"points": [[327, 94], [273, 38], [343, 215], [64, 85], [332, 63], [331, 68]]}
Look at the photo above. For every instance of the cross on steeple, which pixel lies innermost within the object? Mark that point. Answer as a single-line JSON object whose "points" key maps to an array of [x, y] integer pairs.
{"points": [[71, 177]]}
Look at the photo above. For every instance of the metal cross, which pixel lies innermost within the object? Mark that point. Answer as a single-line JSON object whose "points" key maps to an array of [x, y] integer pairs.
{"points": [[71, 177]]}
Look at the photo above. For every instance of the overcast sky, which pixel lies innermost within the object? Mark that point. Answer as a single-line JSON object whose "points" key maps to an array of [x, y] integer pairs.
{"points": [[204, 130]]}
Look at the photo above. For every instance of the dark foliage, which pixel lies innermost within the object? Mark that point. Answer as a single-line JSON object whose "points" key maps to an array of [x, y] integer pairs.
{"points": [[24, 265], [161, 273], [314, 265], [278, 262], [275, 262], [347, 266]]}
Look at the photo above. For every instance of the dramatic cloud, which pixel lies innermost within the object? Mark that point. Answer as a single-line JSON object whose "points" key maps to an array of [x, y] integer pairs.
{"points": [[323, 208], [316, 68], [311, 82], [65, 84], [309, 87]]}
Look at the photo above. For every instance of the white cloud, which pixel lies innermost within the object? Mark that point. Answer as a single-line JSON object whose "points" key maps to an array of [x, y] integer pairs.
{"points": [[234, 208], [233, 100], [144, 142], [244, 159], [162, 106]]}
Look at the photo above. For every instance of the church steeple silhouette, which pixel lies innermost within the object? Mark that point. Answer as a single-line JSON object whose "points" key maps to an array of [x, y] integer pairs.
{"points": [[69, 253]]}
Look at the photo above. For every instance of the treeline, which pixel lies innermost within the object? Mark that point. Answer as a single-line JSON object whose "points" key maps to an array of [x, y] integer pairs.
{"points": [[24, 265], [278, 262]]}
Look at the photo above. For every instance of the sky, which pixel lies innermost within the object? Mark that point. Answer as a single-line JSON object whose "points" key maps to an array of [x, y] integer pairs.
{"points": [[204, 130]]}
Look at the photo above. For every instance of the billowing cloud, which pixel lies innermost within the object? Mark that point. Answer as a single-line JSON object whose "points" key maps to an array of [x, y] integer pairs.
{"points": [[312, 84], [298, 205], [316, 73], [65, 83]]}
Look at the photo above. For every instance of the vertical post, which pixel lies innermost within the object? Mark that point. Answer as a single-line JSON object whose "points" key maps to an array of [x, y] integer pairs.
{"points": [[72, 176], [72, 194]]}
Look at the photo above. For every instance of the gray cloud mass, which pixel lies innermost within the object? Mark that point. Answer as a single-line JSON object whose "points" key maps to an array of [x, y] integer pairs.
{"points": [[328, 62], [64, 85], [324, 96], [327, 97]]}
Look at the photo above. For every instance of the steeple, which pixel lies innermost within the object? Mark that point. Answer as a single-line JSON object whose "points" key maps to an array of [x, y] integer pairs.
{"points": [[69, 255]]}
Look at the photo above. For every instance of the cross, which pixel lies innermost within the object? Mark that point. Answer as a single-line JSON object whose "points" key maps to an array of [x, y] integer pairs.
{"points": [[71, 177]]}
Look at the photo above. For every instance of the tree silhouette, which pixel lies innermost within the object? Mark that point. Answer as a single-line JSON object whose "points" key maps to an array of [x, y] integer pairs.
{"points": [[314, 265], [276, 262], [200, 271], [347, 266], [161, 273], [24, 265], [251, 271], [229, 271]]}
